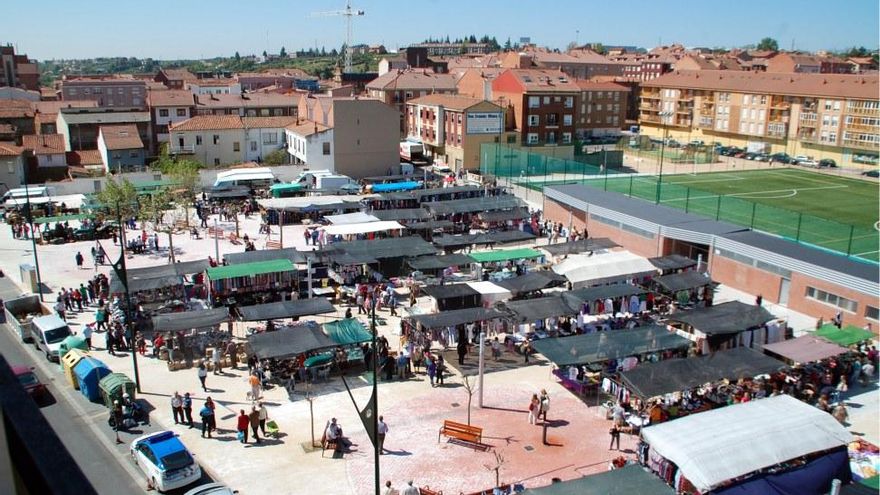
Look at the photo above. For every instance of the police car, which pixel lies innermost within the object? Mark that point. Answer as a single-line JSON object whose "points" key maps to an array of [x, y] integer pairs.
{"points": [[165, 461]]}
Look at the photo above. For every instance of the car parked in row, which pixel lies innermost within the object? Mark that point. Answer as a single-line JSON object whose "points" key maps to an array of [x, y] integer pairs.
{"points": [[827, 163], [781, 158], [805, 161], [872, 173], [165, 461]]}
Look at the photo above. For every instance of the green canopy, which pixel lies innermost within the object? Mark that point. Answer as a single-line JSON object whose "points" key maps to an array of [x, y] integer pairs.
{"points": [[505, 255], [624, 481], [278, 189], [250, 269], [63, 218], [347, 331], [872, 482], [845, 336], [151, 185]]}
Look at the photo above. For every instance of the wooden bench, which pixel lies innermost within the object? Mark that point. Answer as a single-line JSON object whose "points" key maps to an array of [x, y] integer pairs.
{"points": [[461, 431], [273, 244], [327, 444], [424, 490], [234, 238]]}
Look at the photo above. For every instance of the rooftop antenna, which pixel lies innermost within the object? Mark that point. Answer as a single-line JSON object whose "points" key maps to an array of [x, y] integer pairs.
{"points": [[348, 13]]}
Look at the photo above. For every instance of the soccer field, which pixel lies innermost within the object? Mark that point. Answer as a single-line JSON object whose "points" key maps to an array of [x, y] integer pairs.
{"points": [[833, 212]]}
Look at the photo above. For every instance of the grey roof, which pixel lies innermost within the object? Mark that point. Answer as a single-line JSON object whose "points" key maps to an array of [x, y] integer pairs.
{"points": [[836, 262], [659, 214], [391, 247], [401, 214], [672, 262], [265, 255], [286, 309], [675, 282], [187, 320], [627, 480], [579, 246], [722, 319], [471, 205], [432, 262]]}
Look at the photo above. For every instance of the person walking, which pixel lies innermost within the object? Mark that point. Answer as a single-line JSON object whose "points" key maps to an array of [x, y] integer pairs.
{"points": [[615, 436], [242, 426], [389, 490], [545, 405], [254, 419], [410, 489], [431, 367], [215, 359], [203, 374], [60, 308], [207, 415], [264, 416], [177, 408], [87, 335], [79, 260], [381, 431], [232, 350], [188, 409], [534, 409], [254, 382], [526, 351], [441, 368]]}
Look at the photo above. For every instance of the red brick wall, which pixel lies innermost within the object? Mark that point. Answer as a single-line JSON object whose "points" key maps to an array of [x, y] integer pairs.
{"points": [[746, 278], [632, 242], [798, 300]]}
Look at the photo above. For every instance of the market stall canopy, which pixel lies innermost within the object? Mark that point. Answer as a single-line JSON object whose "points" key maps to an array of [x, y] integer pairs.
{"points": [[726, 318], [457, 317], [347, 331], [348, 218], [453, 241], [64, 218], [846, 336], [539, 308], [506, 236], [439, 262], [396, 247], [187, 320], [396, 186], [471, 205], [506, 255], [286, 309], [682, 281], [351, 259], [430, 225], [282, 188], [289, 341], [532, 281], [423, 194], [226, 192], [672, 262], [674, 375], [297, 257], [402, 214], [581, 246], [250, 269], [584, 269], [449, 291], [490, 292], [362, 228], [71, 201], [143, 284], [716, 446], [315, 203], [156, 277], [597, 347], [628, 480], [504, 215], [805, 349], [602, 292]]}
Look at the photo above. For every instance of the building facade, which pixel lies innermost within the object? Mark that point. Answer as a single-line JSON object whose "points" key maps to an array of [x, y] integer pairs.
{"points": [[311, 144], [106, 91], [121, 148], [228, 139], [543, 104], [17, 71], [248, 105], [453, 127], [395, 88], [11, 164], [603, 108], [81, 126], [815, 115], [168, 107]]}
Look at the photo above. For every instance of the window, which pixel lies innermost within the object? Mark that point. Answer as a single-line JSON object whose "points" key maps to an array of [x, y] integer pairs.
{"points": [[216, 138], [761, 114], [552, 119], [236, 146], [566, 137], [760, 128], [569, 102], [753, 114], [872, 313], [616, 120], [832, 299], [743, 127], [826, 120], [270, 138], [763, 99], [566, 119], [49, 158], [278, 112], [72, 91], [99, 91], [616, 107], [546, 100], [616, 97], [827, 104], [533, 120], [116, 155], [216, 161], [534, 101], [532, 138], [326, 148], [181, 112], [135, 101], [752, 128], [133, 154], [747, 99], [198, 140], [163, 112], [251, 113], [551, 137], [837, 105], [744, 113], [835, 121], [607, 119]]}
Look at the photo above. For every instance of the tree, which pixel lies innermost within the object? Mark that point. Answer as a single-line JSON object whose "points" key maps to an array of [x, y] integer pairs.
{"points": [[121, 194], [499, 461], [158, 211], [237, 57], [507, 45], [184, 174], [283, 53], [265, 55], [571, 46], [277, 157], [470, 387], [768, 44]]}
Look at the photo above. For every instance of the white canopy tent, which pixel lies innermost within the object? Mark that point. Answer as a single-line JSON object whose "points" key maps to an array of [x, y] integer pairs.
{"points": [[349, 218], [305, 202], [362, 228], [243, 174], [490, 293], [74, 201], [584, 270], [715, 446]]}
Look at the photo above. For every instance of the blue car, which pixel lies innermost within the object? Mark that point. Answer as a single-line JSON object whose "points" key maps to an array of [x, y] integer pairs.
{"points": [[165, 461]]}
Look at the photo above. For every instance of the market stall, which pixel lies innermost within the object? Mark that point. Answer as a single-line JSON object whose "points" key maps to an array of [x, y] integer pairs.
{"points": [[490, 293], [474, 205], [350, 218], [286, 309], [599, 347], [531, 282], [672, 263], [503, 255], [456, 317], [189, 320], [772, 445], [584, 270], [628, 480], [289, 341], [728, 325], [453, 296], [244, 283], [620, 296], [292, 254], [351, 229], [846, 336], [347, 332], [591, 245], [402, 214], [434, 264], [540, 308], [395, 186], [674, 283], [390, 253], [804, 349], [152, 286]]}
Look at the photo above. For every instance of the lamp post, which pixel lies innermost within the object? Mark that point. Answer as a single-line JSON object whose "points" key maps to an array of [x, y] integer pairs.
{"points": [[663, 117], [30, 219]]}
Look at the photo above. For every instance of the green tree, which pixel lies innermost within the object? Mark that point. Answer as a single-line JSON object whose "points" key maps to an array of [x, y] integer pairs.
{"points": [[283, 53], [507, 45], [121, 195], [277, 157], [184, 174], [237, 57], [265, 55], [768, 44]]}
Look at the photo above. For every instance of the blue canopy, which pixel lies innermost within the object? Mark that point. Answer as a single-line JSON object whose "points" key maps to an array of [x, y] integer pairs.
{"points": [[396, 186]]}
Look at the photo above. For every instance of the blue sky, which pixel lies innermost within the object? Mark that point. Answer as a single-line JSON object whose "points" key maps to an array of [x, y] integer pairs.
{"points": [[164, 29]]}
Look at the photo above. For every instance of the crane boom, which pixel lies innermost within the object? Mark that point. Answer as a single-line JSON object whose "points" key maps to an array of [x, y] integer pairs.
{"points": [[348, 13]]}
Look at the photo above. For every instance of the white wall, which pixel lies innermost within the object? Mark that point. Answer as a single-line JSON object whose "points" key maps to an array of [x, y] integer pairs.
{"points": [[310, 149], [257, 135]]}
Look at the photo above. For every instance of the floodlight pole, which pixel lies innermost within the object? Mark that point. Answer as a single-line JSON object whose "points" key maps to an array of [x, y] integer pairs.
{"points": [[30, 219]]}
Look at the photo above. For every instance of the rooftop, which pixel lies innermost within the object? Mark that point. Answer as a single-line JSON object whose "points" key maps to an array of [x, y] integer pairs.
{"points": [[413, 79], [452, 102], [171, 98], [208, 122], [306, 128], [247, 100], [542, 80], [267, 122], [864, 87], [121, 137], [593, 85], [10, 149], [15, 109], [44, 144]]}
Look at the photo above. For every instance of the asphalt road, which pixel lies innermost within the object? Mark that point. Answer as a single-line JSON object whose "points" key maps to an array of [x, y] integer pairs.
{"points": [[81, 425]]}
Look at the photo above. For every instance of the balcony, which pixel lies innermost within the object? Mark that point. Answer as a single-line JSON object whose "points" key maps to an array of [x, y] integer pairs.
{"points": [[861, 144], [809, 120], [777, 130], [780, 105], [707, 122], [654, 107], [182, 150], [650, 96], [646, 117], [861, 127], [808, 137], [866, 111]]}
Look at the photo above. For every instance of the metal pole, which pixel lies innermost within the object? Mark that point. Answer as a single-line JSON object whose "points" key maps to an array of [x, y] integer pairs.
{"points": [[30, 218], [309, 277], [797, 234], [852, 229], [687, 199], [216, 243], [280, 228], [480, 376], [128, 320], [375, 398], [754, 207], [662, 149]]}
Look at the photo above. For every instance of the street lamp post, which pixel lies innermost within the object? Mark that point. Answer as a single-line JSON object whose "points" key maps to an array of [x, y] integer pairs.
{"points": [[663, 117]]}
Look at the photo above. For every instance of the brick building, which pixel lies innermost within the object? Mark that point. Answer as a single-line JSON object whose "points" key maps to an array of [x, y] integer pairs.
{"points": [[543, 104], [17, 71], [106, 91]]}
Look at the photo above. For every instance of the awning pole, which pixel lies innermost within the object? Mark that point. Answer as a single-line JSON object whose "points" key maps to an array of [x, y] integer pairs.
{"points": [[480, 396]]}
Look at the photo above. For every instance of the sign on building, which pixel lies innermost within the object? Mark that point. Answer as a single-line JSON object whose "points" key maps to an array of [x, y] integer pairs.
{"points": [[484, 123]]}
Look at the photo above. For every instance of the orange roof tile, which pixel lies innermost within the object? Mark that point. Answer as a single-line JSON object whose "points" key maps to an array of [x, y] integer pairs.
{"points": [[15, 109], [452, 102], [600, 85], [44, 144], [121, 137], [9, 149], [85, 157], [413, 79], [864, 87], [209, 122], [171, 98], [543, 80], [267, 122], [307, 128]]}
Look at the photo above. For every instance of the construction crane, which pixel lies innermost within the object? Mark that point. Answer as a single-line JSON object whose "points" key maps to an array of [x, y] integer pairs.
{"points": [[348, 13]]}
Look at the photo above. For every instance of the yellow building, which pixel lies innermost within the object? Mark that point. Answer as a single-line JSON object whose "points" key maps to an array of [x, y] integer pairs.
{"points": [[821, 116]]}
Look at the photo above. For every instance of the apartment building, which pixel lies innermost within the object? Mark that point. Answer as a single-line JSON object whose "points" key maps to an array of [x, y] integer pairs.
{"points": [[452, 128], [807, 64], [477, 82], [175, 78], [17, 117], [46, 113], [435, 49], [248, 104], [395, 88], [353, 136], [106, 91], [228, 139], [832, 116], [121, 148], [168, 107], [17, 71], [215, 86], [81, 126], [602, 108], [48, 149], [11, 164], [579, 64], [543, 104], [278, 79]]}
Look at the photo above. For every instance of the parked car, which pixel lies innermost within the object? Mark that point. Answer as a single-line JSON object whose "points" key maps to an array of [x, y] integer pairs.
{"points": [[805, 161], [827, 163], [750, 155], [762, 157], [211, 489], [740, 154], [165, 461], [28, 379], [721, 150], [872, 173], [441, 168], [781, 158]]}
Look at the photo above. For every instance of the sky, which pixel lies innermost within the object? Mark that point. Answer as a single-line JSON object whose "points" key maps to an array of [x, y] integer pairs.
{"points": [[172, 29]]}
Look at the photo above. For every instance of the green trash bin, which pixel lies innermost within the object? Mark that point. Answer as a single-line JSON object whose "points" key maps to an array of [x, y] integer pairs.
{"points": [[71, 342], [113, 386]]}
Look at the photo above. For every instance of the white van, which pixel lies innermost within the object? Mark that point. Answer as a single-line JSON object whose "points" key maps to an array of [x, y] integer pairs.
{"points": [[250, 177], [30, 191], [48, 332]]}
